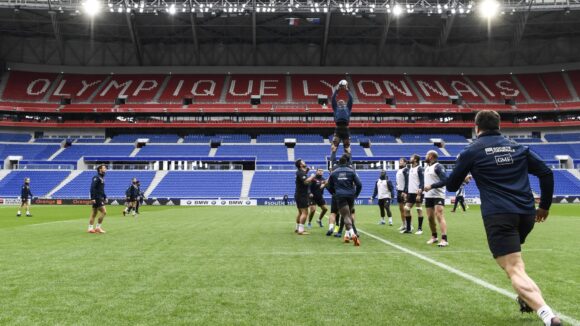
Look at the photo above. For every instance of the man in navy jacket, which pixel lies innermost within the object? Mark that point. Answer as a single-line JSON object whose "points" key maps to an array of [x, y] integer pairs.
{"points": [[346, 186], [500, 168]]}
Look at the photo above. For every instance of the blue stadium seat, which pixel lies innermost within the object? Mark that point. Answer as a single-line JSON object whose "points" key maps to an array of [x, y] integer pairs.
{"points": [[75, 152], [153, 138], [425, 138], [14, 137], [116, 182], [262, 152], [200, 184], [41, 182], [28, 151], [563, 137], [174, 150], [279, 138], [402, 150]]}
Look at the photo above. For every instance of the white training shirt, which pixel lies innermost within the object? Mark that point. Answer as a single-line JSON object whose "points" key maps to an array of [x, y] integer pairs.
{"points": [[431, 177], [382, 189], [414, 182], [400, 180]]}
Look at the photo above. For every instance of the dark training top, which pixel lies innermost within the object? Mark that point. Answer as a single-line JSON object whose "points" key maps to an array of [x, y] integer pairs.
{"points": [[344, 183], [341, 113], [98, 188], [301, 186], [315, 188], [500, 168], [132, 191], [25, 192]]}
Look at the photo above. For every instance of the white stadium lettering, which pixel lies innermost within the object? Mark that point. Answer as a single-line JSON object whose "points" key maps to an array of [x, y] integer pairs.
{"points": [[115, 84], [248, 89], [462, 88], [206, 91], [31, 87], [178, 88], [144, 87], [485, 88], [403, 89], [374, 84], [439, 89], [502, 84], [87, 85], [58, 90], [264, 87]]}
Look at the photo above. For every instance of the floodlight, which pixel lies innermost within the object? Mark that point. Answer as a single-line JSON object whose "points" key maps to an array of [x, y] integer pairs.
{"points": [[171, 10], [397, 10], [489, 8], [92, 7]]}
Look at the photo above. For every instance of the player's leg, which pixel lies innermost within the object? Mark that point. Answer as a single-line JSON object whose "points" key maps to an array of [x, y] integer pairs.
{"points": [[455, 204], [303, 216], [408, 217], [419, 215], [401, 203], [462, 202], [323, 210], [103, 212], [22, 207], [92, 219], [439, 215], [335, 141], [382, 211], [525, 287], [28, 204], [432, 224], [388, 209], [137, 204], [297, 219], [311, 212], [346, 142]]}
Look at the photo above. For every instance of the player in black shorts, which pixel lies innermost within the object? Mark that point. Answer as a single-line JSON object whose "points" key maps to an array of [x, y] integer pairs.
{"points": [[301, 195], [98, 199], [342, 111], [26, 198], [500, 168], [414, 184], [316, 198]]}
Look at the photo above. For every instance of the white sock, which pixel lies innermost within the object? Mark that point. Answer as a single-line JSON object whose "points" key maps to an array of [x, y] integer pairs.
{"points": [[98, 226], [330, 227], [19, 213], [300, 227], [297, 225], [390, 220], [91, 226], [383, 219], [133, 213], [27, 212], [546, 314]]}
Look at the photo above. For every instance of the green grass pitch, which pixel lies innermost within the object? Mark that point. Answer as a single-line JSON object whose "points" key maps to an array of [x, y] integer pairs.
{"points": [[245, 266]]}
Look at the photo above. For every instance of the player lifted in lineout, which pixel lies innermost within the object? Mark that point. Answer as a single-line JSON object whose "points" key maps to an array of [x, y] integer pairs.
{"points": [[342, 111]]}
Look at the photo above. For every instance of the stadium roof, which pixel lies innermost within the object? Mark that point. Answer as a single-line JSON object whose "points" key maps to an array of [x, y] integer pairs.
{"points": [[31, 32]]}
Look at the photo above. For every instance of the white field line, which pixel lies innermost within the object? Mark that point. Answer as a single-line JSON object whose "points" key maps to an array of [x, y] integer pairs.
{"points": [[466, 276]]}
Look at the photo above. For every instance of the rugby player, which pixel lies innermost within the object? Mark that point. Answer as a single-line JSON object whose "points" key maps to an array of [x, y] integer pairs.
{"points": [[402, 175], [500, 168], [301, 195], [342, 111], [414, 189], [98, 200], [345, 184], [25, 197], [316, 198], [435, 178], [384, 190]]}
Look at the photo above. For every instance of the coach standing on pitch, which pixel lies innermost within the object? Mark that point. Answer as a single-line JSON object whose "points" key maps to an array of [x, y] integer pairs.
{"points": [[500, 168]]}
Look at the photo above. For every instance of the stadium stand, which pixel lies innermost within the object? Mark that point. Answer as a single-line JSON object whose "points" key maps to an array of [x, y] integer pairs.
{"points": [[75, 152], [262, 152], [153, 138], [199, 184], [402, 150], [77, 87], [116, 184], [563, 137], [174, 150], [28, 151], [90, 140], [49, 140], [201, 88], [557, 87], [321, 152], [426, 138], [548, 151], [14, 137], [533, 85], [41, 182], [279, 138], [272, 88], [527, 140]]}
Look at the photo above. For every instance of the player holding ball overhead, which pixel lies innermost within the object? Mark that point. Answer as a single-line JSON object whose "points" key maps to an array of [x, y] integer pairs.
{"points": [[342, 111]]}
